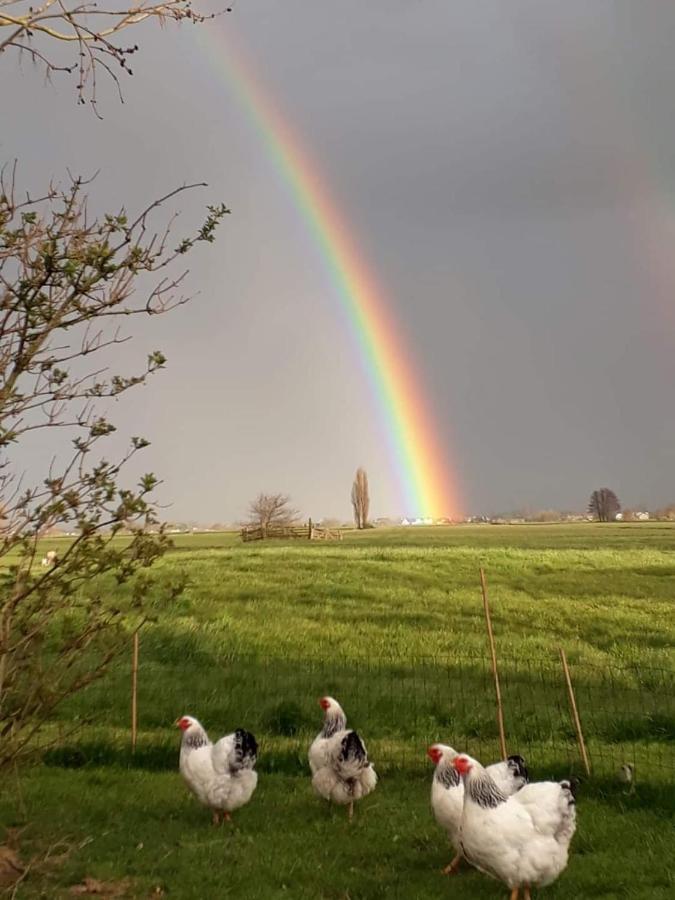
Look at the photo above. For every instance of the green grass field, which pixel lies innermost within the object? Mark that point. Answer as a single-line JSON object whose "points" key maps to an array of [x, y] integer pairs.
{"points": [[391, 623]]}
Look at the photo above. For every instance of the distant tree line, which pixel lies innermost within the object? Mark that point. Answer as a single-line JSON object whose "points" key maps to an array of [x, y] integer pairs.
{"points": [[274, 509]]}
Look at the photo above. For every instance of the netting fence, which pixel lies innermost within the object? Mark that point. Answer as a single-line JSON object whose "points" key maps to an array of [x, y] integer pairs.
{"points": [[401, 705]]}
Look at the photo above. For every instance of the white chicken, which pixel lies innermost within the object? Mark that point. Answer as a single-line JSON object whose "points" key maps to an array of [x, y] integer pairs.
{"points": [[220, 775], [338, 759], [522, 840], [447, 791]]}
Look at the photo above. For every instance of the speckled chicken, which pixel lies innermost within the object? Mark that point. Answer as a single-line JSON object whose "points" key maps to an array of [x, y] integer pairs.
{"points": [[341, 771], [220, 775], [447, 791], [522, 840]]}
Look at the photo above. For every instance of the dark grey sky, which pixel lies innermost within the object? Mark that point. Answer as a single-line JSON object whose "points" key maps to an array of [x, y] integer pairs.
{"points": [[509, 169]]}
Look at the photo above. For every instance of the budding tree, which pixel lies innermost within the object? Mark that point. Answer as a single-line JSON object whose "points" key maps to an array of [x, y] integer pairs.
{"points": [[360, 498], [68, 280]]}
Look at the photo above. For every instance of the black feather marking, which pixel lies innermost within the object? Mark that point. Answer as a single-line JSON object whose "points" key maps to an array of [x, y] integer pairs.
{"points": [[195, 738], [517, 766], [245, 749], [482, 789], [352, 748], [332, 723], [447, 775], [571, 787]]}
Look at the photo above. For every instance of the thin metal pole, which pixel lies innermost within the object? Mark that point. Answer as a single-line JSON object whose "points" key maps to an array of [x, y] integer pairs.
{"points": [[495, 670], [575, 713]]}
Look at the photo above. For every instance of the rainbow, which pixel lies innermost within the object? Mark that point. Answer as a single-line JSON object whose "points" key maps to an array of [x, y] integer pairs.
{"points": [[420, 460]]}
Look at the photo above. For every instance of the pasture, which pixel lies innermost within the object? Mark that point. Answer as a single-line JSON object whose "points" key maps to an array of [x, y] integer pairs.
{"points": [[391, 623]]}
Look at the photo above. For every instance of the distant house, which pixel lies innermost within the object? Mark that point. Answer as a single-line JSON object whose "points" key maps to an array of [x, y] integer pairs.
{"points": [[642, 516]]}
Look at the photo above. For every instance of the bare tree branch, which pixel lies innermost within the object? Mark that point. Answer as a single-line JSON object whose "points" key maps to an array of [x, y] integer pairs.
{"points": [[604, 505], [39, 31], [269, 510]]}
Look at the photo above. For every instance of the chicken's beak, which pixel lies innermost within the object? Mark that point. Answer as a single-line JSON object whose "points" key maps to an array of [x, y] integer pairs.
{"points": [[176, 724]]}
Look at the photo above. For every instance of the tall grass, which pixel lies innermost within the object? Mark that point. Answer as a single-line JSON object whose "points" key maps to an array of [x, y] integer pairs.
{"points": [[391, 623], [396, 631]]}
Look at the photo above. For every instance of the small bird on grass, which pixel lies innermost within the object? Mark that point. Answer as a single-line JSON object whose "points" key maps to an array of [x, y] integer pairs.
{"points": [[627, 776]]}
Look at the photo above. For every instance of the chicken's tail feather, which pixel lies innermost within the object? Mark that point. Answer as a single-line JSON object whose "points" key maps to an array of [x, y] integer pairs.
{"points": [[353, 749], [245, 749], [352, 761], [571, 788], [518, 768]]}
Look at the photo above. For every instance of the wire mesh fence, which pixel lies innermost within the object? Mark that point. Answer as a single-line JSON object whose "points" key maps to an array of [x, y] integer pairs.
{"points": [[400, 706]]}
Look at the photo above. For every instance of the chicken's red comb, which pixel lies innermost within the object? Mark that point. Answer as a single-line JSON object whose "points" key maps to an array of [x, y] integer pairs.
{"points": [[462, 764]]}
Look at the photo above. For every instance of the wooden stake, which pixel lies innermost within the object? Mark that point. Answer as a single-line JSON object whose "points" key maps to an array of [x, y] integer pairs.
{"points": [[495, 671], [575, 713], [134, 692]]}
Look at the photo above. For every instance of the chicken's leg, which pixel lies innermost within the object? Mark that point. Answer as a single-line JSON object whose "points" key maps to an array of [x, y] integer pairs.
{"points": [[515, 893], [351, 810], [216, 817], [453, 867], [227, 817], [528, 896]]}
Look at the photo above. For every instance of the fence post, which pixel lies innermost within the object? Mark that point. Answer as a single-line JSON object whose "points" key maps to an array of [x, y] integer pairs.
{"points": [[310, 530], [495, 670], [134, 692], [575, 713]]}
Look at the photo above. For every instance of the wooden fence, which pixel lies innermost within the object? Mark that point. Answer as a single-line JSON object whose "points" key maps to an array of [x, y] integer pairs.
{"points": [[309, 532]]}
